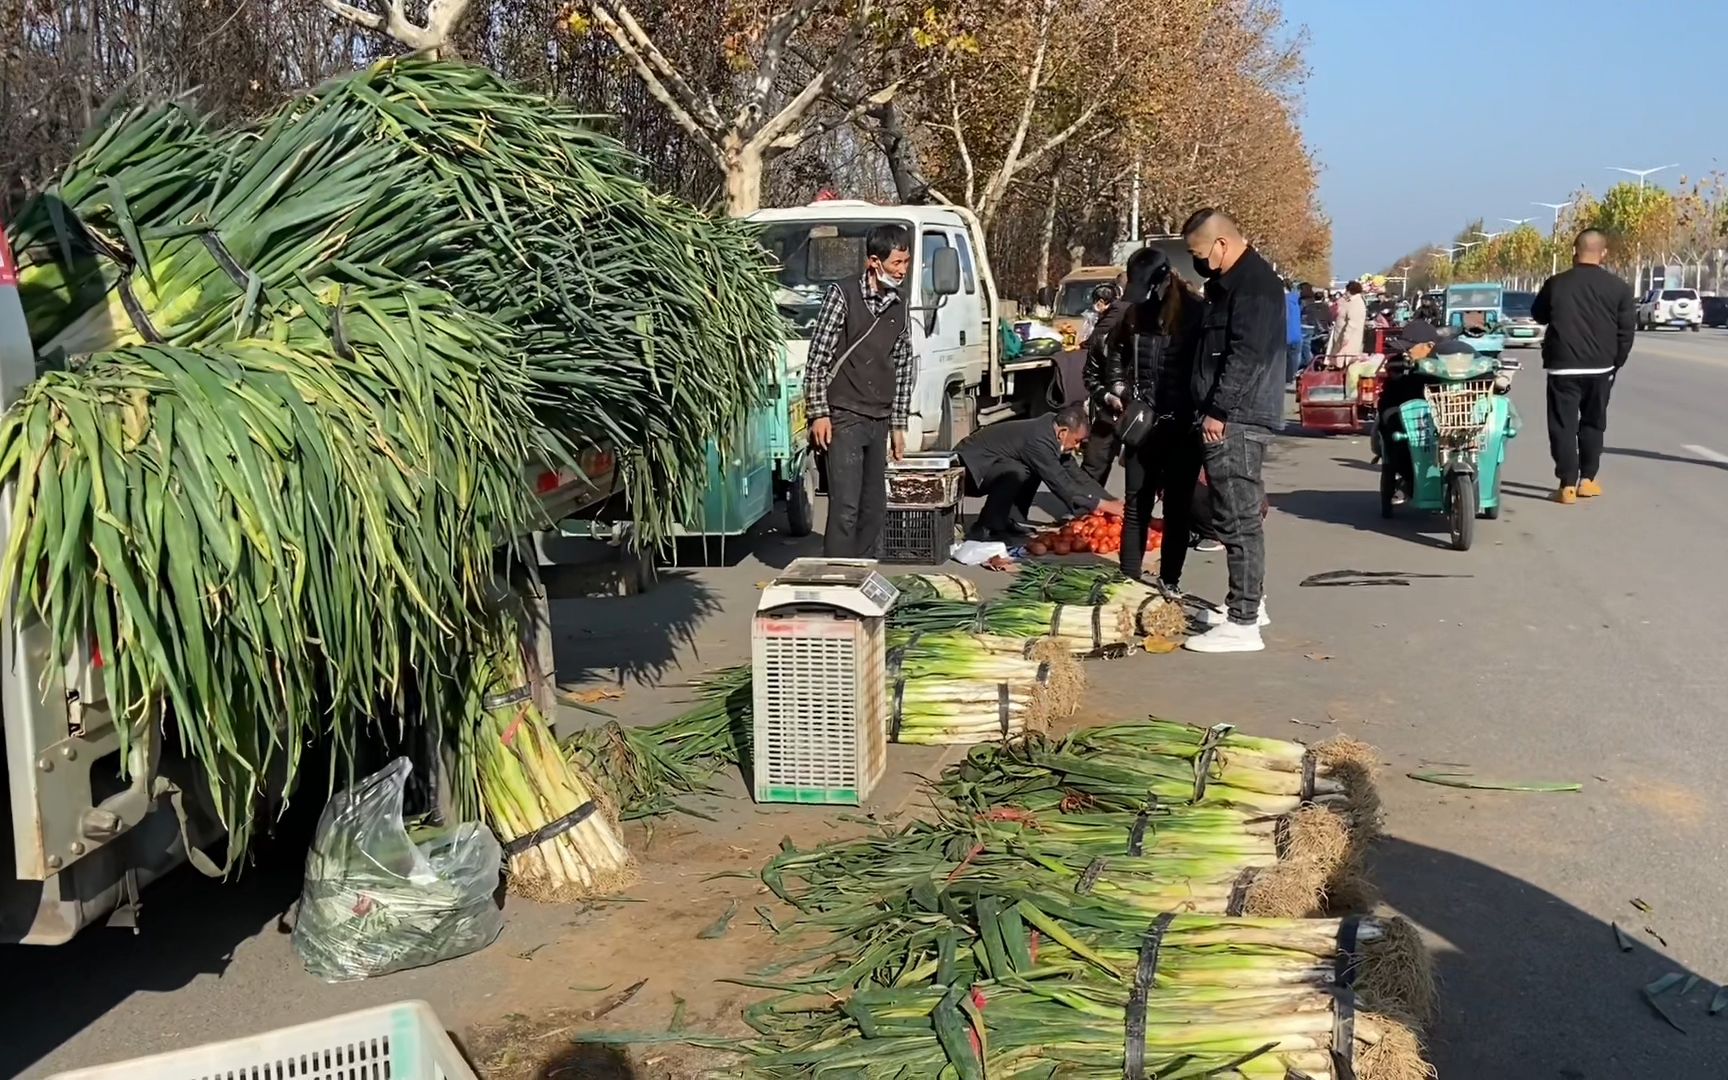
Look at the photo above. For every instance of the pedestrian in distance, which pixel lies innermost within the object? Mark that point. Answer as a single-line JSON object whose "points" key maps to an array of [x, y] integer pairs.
{"points": [[1295, 344], [1008, 460], [1350, 331], [1238, 393], [1591, 319], [858, 392]]}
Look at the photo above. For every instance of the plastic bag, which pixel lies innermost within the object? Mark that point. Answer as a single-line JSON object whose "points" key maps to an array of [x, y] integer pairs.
{"points": [[376, 900]]}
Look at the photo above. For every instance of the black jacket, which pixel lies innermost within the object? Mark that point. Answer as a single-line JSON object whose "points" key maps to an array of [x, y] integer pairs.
{"points": [[1591, 320], [1239, 372], [1028, 448], [1097, 374]]}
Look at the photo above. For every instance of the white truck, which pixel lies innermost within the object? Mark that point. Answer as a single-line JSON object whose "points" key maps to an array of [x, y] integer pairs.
{"points": [[963, 379]]}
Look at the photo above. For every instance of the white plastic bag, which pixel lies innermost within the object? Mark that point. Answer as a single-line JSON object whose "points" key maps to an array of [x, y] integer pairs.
{"points": [[376, 900]]}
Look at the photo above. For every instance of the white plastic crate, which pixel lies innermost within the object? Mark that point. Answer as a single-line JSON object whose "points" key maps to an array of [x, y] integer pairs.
{"points": [[819, 683], [404, 1041]]}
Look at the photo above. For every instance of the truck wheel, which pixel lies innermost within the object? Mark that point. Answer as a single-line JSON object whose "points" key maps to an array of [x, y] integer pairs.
{"points": [[958, 420], [801, 500], [1696, 328]]}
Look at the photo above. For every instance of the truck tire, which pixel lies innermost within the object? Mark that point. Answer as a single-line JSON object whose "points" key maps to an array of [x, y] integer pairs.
{"points": [[801, 500]]}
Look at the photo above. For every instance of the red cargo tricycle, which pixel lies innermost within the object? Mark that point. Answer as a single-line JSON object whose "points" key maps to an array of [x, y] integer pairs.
{"points": [[1328, 403]]}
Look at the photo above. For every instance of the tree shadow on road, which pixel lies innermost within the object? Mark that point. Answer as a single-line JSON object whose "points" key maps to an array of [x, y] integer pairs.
{"points": [[635, 639], [1532, 987], [1360, 510]]}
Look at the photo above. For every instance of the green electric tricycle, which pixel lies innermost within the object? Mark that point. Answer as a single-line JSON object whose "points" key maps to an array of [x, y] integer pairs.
{"points": [[1457, 434]]}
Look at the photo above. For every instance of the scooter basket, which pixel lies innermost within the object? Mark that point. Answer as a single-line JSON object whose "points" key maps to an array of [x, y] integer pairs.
{"points": [[1461, 408]]}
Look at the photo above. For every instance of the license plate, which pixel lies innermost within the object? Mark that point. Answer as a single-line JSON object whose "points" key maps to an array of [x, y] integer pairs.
{"points": [[1523, 333], [796, 419]]}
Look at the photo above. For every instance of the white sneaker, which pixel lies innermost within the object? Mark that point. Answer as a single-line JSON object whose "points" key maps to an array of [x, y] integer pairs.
{"points": [[1227, 638], [1213, 617]]}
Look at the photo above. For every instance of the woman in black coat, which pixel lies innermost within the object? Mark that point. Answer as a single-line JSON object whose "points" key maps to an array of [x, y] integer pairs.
{"points": [[1151, 359]]}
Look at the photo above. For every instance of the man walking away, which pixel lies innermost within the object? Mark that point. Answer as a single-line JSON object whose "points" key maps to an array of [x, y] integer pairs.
{"points": [[1006, 461], [1294, 339], [1591, 320], [1238, 389], [858, 392]]}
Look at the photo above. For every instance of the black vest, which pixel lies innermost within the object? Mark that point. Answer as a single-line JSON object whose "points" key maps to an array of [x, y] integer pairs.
{"points": [[864, 382]]}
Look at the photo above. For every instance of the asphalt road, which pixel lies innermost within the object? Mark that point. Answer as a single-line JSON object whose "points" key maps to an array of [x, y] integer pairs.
{"points": [[1579, 643]]}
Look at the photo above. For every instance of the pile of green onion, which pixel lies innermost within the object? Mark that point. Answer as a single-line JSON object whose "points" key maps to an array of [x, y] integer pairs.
{"points": [[298, 374], [1081, 629]]}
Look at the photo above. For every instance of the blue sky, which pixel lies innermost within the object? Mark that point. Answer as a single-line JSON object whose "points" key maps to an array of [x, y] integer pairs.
{"points": [[1424, 115]]}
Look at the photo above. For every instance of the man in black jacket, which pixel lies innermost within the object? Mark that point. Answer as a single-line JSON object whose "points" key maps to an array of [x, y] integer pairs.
{"points": [[1238, 391], [1591, 318], [1103, 445], [1005, 462]]}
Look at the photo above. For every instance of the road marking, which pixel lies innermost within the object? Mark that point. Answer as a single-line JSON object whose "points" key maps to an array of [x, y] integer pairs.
{"points": [[1706, 453]]}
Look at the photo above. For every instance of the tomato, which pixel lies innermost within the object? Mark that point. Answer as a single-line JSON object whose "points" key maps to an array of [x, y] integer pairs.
{"points": [[1037, 548], [1060, 547]]}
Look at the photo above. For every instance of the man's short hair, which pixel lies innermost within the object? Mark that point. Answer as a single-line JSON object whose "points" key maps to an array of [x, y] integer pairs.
{"points": [[1105, 293], [1591, 242], [1354, 288], [1072, 416], [1198, 220], [885, 240]]}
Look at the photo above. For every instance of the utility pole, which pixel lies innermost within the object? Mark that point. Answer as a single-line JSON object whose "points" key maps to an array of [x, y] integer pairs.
{"points": [[1554, 235], [1642, 175], [1134, 211]]}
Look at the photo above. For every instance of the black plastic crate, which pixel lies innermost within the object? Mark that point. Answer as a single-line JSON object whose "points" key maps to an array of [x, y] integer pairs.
{"points": [[919, 535]]}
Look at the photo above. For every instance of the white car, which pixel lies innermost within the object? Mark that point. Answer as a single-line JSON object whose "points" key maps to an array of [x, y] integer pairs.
{"points": [[1671, 307]]}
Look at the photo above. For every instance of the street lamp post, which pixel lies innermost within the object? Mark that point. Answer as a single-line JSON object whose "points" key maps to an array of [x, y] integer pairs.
{"points": [[1554, 235], [1642, 175]]}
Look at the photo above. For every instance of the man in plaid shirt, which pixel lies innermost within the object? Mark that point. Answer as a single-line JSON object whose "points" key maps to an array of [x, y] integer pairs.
{"points": [[858, 391]]}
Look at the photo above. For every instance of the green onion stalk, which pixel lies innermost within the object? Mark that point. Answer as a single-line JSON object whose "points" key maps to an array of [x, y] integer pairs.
{"points": [[954, 687], [515, 775], [647, 768]]}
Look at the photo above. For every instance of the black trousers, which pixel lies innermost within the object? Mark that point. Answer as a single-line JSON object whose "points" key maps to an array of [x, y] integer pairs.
{"points": [[1233, 467], [1103, 446], [1005, 491], [1167, 461], [857, 487], [1577, 420]]}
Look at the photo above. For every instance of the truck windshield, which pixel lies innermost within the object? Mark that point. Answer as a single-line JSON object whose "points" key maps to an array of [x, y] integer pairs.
{"points": [[1472, 298], [1076, 297], [811, 255], [1518, 304]]}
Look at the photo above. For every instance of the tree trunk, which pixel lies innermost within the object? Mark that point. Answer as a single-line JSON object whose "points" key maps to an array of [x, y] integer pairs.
{"points": [[902, 155], [1048, 238], [744, 167]]}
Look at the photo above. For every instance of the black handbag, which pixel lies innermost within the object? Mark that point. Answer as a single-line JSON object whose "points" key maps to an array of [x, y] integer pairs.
{"points": [[1135, 423]]}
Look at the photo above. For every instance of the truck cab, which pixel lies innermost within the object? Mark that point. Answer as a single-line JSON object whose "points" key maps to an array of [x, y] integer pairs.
{"points": [[1074, 299], [1475, 313], [950, 295]]}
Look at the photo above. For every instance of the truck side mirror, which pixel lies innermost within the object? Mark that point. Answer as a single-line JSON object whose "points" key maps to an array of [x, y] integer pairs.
{"points": [[945, 271]]}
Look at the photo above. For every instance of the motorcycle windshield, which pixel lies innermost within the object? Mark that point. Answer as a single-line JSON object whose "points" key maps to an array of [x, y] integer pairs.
{"points": [[1454, 367]]}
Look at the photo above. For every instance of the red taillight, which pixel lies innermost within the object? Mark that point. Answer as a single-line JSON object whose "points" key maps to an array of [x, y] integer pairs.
{"points": [[546, 482]]}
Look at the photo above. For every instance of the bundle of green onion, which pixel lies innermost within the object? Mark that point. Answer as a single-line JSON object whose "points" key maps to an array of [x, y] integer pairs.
{"points": [[1124, 766], [1083, 630], [954, 687], [934, 587], [1155, 615], [558, 832], [647, 768]]}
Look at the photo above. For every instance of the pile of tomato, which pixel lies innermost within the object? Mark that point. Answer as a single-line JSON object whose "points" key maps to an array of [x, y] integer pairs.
{"points": [[1094, 533]]}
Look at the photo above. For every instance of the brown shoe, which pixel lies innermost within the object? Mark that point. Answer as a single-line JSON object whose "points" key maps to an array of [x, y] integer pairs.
{"points": [[1588, 489], [1566, 496]]}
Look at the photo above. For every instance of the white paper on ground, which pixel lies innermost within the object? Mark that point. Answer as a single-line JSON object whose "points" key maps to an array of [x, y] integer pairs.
{"points": [[978, 552]]}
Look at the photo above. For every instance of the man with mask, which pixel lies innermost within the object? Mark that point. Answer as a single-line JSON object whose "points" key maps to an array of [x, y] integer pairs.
{"points": [[858, 392], [1006, 461], [1238, 392]]}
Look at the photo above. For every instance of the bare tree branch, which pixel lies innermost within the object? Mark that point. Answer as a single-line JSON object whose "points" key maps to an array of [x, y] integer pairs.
{"points": [[682, 106], [868, 104], [655, 69], [960, 145], [774, 42], [442, 16], [998, 185], [793, 113]]}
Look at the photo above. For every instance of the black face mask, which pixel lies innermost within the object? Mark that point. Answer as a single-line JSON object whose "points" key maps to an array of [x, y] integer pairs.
{"points": [[1204, 268]]}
